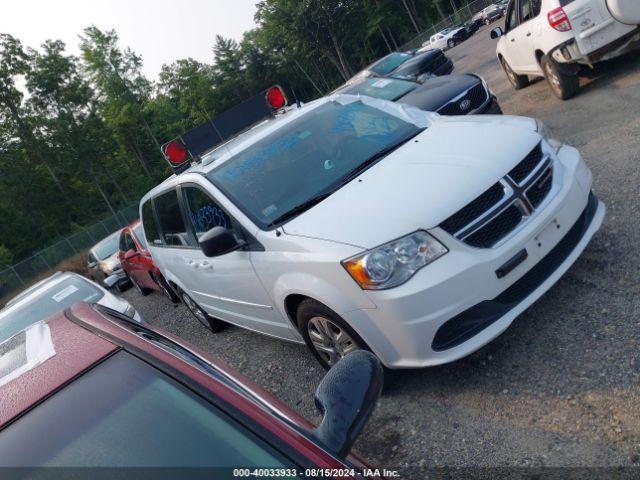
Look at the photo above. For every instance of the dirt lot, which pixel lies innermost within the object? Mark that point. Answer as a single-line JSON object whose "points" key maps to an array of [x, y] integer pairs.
{"points": [[560, 387]]}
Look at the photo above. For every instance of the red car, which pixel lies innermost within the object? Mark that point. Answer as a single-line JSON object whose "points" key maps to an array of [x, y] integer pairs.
{"points": [[137, 262], [90, 387]]}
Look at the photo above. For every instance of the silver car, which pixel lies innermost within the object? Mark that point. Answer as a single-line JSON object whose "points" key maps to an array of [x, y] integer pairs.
{"points": [[55, 294], [104, 265]]}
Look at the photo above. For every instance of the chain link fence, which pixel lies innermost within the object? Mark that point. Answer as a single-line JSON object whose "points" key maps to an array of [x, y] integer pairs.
{"points": [[462, 15], [25, 272]]}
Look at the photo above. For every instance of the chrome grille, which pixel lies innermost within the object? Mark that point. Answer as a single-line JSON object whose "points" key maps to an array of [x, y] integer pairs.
{"points": [[469, 101], [492, 216]]}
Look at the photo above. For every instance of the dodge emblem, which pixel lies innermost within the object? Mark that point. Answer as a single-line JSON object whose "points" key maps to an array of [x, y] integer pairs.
{"points": [[465, 105]]}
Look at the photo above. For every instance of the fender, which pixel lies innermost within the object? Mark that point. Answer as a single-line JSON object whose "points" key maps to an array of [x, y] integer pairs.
{"points": [[299, 283]]}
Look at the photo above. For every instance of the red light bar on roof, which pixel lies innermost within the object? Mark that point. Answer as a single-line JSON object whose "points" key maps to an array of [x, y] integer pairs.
{"points": [[192, 144], [276, 98], [175, 152]]}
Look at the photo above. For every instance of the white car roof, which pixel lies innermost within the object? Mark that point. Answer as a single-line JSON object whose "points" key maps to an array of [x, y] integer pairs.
{"points": [[224, 152]]}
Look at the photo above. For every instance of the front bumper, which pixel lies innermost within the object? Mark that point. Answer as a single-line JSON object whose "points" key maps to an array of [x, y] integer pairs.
{"points": [[463, 284], [117, 278], [492, 108]]}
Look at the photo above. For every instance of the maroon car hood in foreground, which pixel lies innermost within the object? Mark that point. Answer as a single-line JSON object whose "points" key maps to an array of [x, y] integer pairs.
{"points": [[83, 336]]}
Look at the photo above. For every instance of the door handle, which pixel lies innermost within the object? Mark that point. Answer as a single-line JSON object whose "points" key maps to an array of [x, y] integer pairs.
{"points": [[206, 265], [513, 39], [529, 34], [192, 263]]}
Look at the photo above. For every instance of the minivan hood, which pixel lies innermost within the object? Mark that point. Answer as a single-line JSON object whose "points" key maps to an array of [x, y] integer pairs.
{"points": [[421, 183]]}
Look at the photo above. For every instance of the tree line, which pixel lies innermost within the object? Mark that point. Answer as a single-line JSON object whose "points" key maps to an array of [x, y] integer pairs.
{"points": [[80, 135]]}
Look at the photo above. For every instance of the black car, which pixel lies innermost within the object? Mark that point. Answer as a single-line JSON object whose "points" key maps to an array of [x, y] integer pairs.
{"points": [[411, 65], [472, 26], [446, 95]]}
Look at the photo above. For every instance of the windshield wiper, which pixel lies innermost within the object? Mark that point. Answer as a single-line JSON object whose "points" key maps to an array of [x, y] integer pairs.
{"points": [[303, 207], [374, 158], [307, 204]]}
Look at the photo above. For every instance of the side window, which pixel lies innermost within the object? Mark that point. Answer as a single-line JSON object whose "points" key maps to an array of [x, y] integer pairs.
{"points": [[172, 225], [149, 224], [525, 11], [512, 18], [204, 213], [131, 245], [91, 258], [536, 6], [122, 245]]}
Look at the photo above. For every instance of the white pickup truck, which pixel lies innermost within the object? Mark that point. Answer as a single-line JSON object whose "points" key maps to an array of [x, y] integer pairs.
{"points": [[553, 38]]}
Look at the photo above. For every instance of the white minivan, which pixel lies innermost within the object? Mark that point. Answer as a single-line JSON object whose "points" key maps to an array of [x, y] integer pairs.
{"points": [[357, 223]]}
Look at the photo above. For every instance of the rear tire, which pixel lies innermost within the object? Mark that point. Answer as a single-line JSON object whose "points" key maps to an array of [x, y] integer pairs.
{"points": [[563, 85], [326, 334], [212, 324], [487, 22], [518, 82]]}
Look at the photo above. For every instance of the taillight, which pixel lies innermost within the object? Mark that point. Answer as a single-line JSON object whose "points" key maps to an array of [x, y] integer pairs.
{"points": [[558, 19]]}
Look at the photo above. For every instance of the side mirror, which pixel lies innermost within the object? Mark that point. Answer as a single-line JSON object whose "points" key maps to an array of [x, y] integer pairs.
{"points": [[496, 32], [129, 254], [346, 397], [92, 264], [218, 241]]}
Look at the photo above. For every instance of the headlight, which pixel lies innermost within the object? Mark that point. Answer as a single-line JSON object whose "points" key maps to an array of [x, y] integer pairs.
{"points": [[546, 134], [394, 263]]}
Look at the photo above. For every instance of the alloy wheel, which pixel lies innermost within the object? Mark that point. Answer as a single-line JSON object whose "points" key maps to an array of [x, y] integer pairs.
{"points": [[330, 341]]}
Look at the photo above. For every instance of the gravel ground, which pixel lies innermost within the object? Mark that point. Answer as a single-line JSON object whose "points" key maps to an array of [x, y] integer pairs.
{"points": [[560, 386]]}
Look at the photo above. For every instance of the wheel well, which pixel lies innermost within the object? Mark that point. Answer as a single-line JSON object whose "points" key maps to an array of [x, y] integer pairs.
{"points": [[291, 304]]}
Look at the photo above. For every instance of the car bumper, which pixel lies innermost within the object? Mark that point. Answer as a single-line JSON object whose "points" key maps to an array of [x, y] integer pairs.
{"points": [[492, 108], [406, 329], [118, 278]]}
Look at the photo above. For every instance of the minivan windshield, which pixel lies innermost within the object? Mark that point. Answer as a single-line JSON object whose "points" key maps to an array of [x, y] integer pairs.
{"points": [[308, 158]]}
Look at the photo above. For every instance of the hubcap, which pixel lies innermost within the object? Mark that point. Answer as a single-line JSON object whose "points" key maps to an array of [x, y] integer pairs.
{"points": [[329, 340], [196, 310]]}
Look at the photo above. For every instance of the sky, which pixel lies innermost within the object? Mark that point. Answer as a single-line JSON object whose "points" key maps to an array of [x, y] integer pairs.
{"points": [[160, 30]]}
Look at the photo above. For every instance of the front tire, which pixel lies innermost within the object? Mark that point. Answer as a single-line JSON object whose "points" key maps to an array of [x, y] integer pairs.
{"points": [[212, 324], [326, 334], [167, 289], [141, 290], [518, 82], [451, 43], [563, 85]]}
